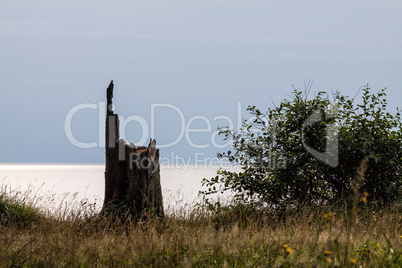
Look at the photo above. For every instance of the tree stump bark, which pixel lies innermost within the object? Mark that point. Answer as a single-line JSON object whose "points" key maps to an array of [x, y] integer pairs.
{"points": [[132, 173]]}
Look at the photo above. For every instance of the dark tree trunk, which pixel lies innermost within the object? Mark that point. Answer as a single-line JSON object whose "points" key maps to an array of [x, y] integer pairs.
{"points": [[132, 175]]}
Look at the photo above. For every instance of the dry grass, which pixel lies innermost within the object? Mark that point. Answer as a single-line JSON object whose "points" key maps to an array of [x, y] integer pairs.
{"points": [[236, 237]]}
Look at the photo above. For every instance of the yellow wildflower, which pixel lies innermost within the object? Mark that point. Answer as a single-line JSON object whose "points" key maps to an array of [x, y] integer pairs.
{"points": [[327, 253], [364, 200], [285, 246], [329, 260], [328, 216], [353, 261], [289, 251], [366, 194]]}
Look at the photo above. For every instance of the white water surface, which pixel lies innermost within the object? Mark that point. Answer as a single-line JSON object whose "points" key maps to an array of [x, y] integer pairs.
{"points": [[58, 186]]}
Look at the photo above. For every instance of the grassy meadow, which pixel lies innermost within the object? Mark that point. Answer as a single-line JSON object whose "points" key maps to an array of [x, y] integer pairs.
{"points": [[232, 237]]}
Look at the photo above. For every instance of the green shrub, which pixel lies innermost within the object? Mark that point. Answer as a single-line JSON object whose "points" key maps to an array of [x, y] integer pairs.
{"points": [[319, 151]]}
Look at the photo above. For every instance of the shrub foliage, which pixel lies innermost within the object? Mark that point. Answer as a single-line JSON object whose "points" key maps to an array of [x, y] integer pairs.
{"points": [[330, 148]]}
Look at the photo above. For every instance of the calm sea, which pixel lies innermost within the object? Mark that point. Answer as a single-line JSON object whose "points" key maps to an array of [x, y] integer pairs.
{"points": [[60, 186]]}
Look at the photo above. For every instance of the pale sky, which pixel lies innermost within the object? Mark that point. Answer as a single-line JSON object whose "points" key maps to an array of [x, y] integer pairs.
{"points": [[202, 57]]}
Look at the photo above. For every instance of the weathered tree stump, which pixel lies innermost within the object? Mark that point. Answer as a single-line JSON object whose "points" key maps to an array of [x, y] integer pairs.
{"points": [[132, 175]]}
